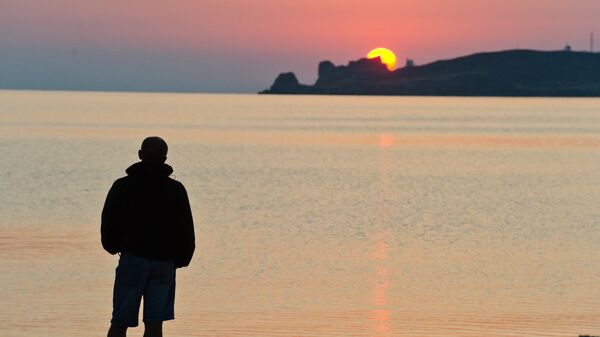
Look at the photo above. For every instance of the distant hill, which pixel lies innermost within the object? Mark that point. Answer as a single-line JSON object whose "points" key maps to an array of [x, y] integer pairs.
{"points": [[504, 73]]}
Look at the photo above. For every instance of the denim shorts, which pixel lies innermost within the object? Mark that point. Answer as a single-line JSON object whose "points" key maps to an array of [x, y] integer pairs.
{"points": [[137, 277]]}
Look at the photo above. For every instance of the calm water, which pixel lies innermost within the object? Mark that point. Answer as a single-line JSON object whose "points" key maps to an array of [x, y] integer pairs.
{"points": [[316, 216]]}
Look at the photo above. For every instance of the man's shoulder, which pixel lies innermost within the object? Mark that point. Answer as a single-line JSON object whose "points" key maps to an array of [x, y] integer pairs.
{"points": [[121, 181], [176, 184]]}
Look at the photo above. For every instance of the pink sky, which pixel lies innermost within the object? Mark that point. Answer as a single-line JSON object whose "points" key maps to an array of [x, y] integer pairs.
{"points": [[281, 35]]}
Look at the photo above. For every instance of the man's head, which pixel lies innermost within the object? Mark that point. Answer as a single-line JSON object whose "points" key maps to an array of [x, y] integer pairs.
{"points": [[153, 151]]}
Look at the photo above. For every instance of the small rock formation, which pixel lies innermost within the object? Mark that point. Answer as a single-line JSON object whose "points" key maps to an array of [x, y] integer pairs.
{"points": [[286, 83], [355, 72], [333, 79]]}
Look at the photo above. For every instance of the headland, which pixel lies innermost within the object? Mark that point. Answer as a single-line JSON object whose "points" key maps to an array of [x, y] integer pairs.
{"points": [[519, 73]]}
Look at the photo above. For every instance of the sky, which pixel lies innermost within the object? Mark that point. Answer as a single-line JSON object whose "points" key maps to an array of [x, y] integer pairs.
{"points": [[241, 45]]}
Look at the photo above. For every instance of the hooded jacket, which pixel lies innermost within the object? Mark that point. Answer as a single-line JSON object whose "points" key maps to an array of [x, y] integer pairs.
{"points": [[148, 214]]}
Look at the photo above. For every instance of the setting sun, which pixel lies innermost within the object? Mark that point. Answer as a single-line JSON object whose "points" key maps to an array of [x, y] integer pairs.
{"points": [[387, 57]]}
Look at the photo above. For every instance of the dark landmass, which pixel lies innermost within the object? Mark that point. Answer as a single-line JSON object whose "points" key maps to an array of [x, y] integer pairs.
{"points": [[504, 73]]}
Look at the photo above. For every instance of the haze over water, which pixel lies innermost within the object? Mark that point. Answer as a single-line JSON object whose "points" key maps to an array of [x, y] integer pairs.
{"points": [[315, 216]]}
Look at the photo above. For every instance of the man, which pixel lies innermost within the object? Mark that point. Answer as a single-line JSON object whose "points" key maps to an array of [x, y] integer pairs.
{"points": [[148, 220]]}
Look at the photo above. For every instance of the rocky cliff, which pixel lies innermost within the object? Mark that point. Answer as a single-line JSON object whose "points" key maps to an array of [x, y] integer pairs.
{"points": [[504, 73]]}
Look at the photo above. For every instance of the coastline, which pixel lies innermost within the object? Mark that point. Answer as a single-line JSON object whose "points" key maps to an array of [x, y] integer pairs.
{"points": [[510, 73]]}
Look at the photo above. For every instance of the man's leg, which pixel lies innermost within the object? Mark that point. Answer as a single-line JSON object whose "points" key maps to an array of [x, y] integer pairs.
{"points": [[152, 329], [117, 331], [159, 297], [130, 281]]}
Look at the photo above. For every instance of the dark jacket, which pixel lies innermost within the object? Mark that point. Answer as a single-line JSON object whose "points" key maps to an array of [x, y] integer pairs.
{"points": [[148, 214]]}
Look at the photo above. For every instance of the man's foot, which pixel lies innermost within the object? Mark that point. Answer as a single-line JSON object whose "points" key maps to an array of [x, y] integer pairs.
{"points": [[117, 331], [152, 329]]}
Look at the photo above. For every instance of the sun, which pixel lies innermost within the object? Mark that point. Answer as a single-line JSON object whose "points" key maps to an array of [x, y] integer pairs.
{"points": [[387, 57]]}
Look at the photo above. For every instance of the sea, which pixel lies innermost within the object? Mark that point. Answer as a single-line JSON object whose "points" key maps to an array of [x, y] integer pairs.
{"points": [[333, 216]]}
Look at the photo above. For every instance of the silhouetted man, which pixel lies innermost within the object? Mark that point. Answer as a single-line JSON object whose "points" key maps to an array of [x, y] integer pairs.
{"points": [[148, 220]]}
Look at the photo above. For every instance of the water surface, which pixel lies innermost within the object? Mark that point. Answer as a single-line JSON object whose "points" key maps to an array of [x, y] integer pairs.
{"points": [[316, 216]]}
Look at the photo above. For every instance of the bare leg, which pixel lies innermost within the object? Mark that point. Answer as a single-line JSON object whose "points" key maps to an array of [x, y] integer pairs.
{"points": [[152, 329], [117, 331]]}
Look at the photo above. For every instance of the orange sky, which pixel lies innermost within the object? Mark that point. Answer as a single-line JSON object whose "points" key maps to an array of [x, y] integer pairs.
{"points": [[274, 35]]}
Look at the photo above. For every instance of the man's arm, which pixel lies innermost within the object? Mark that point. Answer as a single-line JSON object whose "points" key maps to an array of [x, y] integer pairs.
{"points": [[109, 226], [187, 239]]}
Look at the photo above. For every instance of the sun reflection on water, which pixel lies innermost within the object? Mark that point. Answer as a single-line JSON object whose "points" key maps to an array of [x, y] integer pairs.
{"points": [[381, 316]]}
